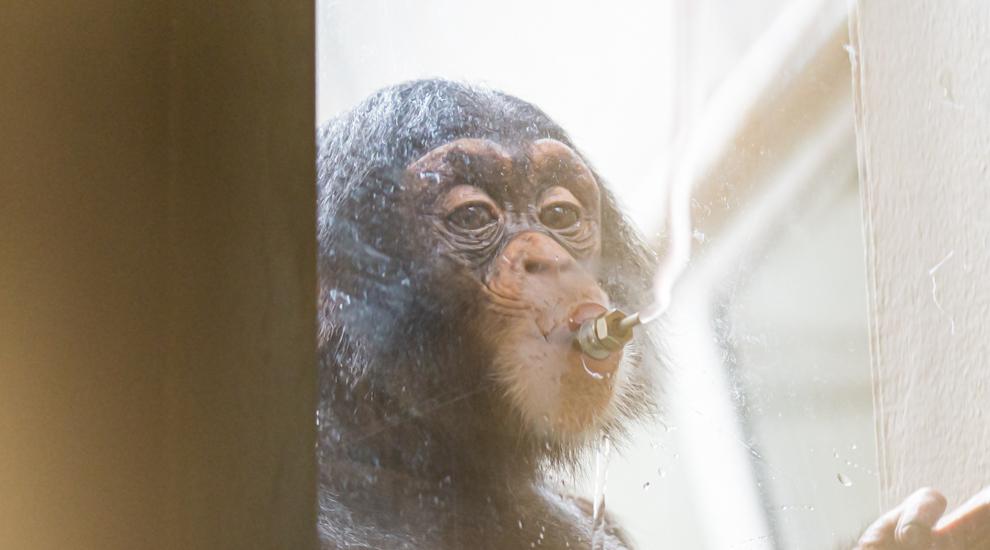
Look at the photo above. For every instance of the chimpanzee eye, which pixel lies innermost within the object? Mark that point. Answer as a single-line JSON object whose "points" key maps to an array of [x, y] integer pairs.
{"points": [[472, 216], [559, 215]]}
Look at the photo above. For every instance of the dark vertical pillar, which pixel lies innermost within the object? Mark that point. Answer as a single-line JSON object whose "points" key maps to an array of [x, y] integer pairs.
{"points": [[241, 384], [157, 275]]}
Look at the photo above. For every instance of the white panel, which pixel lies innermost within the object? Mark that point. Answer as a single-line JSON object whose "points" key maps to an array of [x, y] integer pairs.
{"points": [[923, 87]]}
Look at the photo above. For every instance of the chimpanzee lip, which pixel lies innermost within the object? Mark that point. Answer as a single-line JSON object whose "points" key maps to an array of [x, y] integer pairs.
{"points": [[583, 312], [576, 316]]}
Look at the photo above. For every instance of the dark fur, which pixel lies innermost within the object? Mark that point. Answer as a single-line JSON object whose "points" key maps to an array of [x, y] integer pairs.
{"points": [[417, 449]]}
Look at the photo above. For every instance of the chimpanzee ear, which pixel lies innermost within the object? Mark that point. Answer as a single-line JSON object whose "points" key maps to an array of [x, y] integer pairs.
{"points": [[627, 262]]}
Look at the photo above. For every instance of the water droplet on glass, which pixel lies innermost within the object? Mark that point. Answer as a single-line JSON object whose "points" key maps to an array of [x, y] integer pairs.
{"points": [[845, 481]]}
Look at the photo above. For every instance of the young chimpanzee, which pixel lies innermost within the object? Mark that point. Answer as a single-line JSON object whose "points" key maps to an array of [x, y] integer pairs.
{"points": [[463, 241]]}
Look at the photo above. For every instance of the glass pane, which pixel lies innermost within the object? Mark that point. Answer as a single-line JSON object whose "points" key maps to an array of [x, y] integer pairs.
{"points": [[763, 431]]}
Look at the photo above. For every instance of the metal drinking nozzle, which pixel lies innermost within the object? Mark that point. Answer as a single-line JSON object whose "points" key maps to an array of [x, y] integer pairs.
{"points": [[608, 332]]}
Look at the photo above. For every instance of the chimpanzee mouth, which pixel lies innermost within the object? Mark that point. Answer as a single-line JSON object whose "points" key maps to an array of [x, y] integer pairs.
{"points": [[561, 336], [558, 388], [584, 312]]}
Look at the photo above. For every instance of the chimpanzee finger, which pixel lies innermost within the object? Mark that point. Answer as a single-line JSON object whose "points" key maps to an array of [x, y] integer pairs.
{"points": [[919, 513], [880, 534], [968, 526]]}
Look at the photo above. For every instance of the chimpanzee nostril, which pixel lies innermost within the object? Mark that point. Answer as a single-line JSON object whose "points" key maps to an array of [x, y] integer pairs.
{"points": [[534, 266], [539, 265]]}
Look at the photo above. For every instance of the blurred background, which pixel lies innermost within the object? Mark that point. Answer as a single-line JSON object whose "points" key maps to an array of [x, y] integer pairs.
{"points": [[768, 436]]}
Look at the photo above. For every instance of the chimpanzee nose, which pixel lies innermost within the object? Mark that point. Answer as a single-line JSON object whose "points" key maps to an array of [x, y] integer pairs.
{"points": [[537, 254]]}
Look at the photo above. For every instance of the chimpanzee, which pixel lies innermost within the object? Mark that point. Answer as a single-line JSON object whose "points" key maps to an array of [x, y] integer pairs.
{"points": [[463, 239]]}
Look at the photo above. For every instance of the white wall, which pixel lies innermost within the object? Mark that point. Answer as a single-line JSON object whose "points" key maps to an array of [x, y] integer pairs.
{"points": [[924, 129]]}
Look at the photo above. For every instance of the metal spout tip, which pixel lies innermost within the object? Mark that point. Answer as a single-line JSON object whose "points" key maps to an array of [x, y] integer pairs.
{"points": [[607, 333], [630, 321]]}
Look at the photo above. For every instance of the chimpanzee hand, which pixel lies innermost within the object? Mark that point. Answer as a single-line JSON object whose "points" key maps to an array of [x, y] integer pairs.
{"points": [[918, 524]]}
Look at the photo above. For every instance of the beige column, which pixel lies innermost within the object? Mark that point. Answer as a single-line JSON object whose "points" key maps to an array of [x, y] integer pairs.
{"points": [[157, 377], [922, 84]]}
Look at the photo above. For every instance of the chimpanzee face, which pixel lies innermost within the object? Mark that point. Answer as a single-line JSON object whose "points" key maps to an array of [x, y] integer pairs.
{"points": [[522, 221]]}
